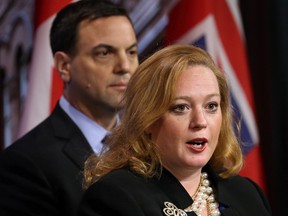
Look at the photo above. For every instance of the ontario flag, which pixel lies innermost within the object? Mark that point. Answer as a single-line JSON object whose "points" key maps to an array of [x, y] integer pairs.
{"points": [[216, 26], [44, 85]]}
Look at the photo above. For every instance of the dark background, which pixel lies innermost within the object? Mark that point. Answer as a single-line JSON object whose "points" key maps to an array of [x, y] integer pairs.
{"points": [[266, 28]]}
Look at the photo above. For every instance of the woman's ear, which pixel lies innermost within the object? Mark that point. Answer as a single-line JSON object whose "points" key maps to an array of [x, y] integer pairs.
{"points": [[149, 130], [62, 63], [153, 130]]}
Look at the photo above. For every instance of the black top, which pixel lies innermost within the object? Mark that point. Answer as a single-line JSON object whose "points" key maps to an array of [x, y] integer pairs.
{"points": [[41, 173], [124, 193]]}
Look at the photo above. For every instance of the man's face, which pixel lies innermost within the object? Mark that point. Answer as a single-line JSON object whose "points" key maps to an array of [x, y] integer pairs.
{"points": [[106, 57]]}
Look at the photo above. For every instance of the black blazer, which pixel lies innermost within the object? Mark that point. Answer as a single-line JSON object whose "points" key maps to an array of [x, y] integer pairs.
{"points": [[41, 173], [124, 193]]}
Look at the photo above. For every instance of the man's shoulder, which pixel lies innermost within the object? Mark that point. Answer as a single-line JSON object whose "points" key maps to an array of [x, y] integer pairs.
{"points": [[44, 148], [55, 129], [43, 138], [36, 137]]}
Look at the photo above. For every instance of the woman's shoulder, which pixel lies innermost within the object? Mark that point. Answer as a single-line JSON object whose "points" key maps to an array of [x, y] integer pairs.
{"points": [[119, 183], [122, 178], [238, 189], [119, 175], [239, 184], [237, 180]]}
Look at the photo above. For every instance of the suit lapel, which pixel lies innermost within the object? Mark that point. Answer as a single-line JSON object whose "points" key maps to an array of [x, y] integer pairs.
{"points": [[76, 147], [174, 190], [78, 150]]}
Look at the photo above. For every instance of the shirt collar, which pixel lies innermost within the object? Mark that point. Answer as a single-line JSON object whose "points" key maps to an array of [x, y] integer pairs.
{"points": [[92, 131]]}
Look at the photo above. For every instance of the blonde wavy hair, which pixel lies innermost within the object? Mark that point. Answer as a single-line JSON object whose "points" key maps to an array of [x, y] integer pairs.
{"points": [[149, 95]]}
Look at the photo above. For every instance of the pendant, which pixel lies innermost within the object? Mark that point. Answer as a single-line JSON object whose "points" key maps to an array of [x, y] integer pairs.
{"points": [[171, 209]]}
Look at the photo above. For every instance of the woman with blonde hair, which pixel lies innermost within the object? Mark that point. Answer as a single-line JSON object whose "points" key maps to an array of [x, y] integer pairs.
{"points": [[175, 151]]}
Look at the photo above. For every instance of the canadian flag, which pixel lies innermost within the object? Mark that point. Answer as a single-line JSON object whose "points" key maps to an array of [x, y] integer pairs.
{"points": [[44, 85]]}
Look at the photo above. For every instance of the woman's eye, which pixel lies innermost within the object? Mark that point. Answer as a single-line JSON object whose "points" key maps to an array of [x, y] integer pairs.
{"points": [[180, 108], [212, 107]]}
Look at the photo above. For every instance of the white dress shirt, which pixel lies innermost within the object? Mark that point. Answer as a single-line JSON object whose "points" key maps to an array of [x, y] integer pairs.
{"points": [[92, 131]]}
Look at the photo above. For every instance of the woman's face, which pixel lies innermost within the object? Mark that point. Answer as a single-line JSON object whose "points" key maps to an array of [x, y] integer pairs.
{"points": [[188, 132]]}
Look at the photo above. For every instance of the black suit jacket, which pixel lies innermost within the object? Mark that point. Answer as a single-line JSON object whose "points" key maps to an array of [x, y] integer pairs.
{"points": [[124, 193], [41, 173]]}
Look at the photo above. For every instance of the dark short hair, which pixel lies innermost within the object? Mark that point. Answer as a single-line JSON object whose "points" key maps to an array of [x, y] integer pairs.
{"points": [[64, 30]]}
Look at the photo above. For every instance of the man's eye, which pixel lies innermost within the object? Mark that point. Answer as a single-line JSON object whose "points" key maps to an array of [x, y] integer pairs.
{"points": [[133, 52], [103, 53]]}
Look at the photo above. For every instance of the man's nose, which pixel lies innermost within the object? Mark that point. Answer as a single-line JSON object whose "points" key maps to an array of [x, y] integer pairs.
{"points": [[123, 64]]}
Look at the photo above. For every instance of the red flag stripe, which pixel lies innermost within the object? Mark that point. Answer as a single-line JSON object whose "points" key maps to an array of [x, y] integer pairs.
{"points": [[195, 15], [44, 86], [253, 167], [234, 46], [46, 8], [56, 88]]}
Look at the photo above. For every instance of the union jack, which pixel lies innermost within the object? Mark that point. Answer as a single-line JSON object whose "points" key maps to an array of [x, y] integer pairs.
{"points": [[216, 27]]}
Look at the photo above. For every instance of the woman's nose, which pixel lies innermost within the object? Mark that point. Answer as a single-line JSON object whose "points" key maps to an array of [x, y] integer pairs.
{"points": [[198, 119]]}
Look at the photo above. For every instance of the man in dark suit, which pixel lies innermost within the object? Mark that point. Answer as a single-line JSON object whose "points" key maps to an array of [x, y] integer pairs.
{"points": [[95, 53]]}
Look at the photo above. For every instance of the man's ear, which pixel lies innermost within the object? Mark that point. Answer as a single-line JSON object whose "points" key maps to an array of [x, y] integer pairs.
{"points": [[62, 63]]}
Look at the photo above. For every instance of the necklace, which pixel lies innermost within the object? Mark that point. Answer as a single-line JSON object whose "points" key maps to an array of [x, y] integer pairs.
{"points": [[204, 197]]}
